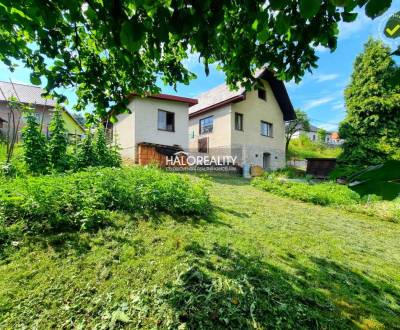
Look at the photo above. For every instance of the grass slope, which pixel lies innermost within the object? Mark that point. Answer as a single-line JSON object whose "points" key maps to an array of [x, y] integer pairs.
{"points": [[303, 147], [260, 261]]}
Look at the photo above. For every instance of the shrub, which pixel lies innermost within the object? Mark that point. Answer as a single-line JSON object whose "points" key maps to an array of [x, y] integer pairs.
{"points": [[94, 151], [84, 200], [330, 193], [58, 142], [323, 194], [35, 146], [85, 155], [106, 155]]}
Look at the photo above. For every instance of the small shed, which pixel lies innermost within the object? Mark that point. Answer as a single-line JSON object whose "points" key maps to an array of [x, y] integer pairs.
{"points": [[320, 167], [152, 153]]}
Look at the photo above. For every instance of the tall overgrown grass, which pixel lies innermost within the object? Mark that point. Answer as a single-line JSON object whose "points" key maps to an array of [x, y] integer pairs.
{"points": [[329, 194], [85, 200], [303, 147]]}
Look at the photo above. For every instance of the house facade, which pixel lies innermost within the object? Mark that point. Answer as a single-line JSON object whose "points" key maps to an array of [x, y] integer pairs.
{"points": [[157, 124], [311, 133], [44, 109], [247, 124]]}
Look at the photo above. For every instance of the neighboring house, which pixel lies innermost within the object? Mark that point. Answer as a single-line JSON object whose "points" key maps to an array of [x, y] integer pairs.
{"points": [[311, 133], [246, 124], [43, 109], [156, 126], [335, 139]]}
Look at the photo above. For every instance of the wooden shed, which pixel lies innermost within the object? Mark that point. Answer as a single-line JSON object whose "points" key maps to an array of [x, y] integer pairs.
{"points": [[151, 153], [320, 167]]}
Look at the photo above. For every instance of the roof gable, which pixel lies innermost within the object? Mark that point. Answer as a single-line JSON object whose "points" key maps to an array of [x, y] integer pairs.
{"points": [[222, 95]]}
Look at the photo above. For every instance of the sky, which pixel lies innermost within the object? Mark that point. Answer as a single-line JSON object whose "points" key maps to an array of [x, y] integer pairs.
{"points": [[319, 94]]}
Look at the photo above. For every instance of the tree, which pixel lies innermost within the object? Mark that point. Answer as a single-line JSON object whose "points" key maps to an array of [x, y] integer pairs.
{"points": [[301, 123], [322, 133], [35, 146], [107, 49], [371, 129], [106, 155], [58, 142], [86, 154]]}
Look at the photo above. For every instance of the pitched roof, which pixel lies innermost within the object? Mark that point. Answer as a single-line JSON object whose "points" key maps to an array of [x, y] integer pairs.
{"points": [[222, 95], [29, 94], [169, 97], [26, 93]]}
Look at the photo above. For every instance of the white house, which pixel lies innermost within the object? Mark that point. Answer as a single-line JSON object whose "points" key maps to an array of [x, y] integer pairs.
{"points": [[158, 121], [246, 124]]}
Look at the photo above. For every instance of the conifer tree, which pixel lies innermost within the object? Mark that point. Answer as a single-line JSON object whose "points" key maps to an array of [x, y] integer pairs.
{"points": [[58, 142], [86, 155], [371, 128], [34, 146]]}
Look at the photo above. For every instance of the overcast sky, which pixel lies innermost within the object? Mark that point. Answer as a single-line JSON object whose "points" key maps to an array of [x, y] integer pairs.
{"points": [[320, 94]]}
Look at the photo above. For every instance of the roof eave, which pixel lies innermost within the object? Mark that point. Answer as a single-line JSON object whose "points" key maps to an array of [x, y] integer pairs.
{"points": [[168, 97], [215, 106], [281, 95]]}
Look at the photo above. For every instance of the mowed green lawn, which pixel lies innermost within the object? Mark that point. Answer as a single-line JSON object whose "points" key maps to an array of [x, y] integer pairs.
{"points": [[259, 261]]}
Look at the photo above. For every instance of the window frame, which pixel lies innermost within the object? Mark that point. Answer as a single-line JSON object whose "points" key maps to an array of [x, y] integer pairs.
{"points": [[239, 115], [166, 121], [262, 90], [200, 125], [270, 131]]}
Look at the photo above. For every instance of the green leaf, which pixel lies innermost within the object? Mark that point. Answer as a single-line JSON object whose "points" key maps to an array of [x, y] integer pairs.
{"points": [[278, 4], [375, 8], [132, 35], [349, 17], [35, 79], [344, 3], [309, 8], [119, 316], [282, 23], [255, 25]]}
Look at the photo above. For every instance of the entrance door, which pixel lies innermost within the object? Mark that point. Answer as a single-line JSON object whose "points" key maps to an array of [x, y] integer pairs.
{"points": [[266, 161]]}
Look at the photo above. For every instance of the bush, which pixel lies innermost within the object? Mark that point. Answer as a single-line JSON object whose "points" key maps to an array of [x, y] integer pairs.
{"points": [[330, 193], [35, 146], [327, 193], [84, 200], [94, 151], [58, 142], [303, 147]]}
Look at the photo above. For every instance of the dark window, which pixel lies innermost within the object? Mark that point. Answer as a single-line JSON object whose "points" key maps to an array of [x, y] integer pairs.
{"points": [[206, 125], [166, 121], [203, 144], [266, 129], [239, 121], [262, 94]]}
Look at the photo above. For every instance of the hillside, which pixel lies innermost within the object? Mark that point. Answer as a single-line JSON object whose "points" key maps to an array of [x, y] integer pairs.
{"points": [[302, 148], [259, 261]]}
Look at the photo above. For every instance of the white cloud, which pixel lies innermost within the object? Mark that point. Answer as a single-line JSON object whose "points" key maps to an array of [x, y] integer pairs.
{"points": [[352, 29], [338, 106], [326, 77], [321, 49], [316, 103], [329, 126]]}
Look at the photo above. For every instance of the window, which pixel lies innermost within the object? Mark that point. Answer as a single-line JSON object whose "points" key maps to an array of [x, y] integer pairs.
{"points": [[206, 125], [262, 94], [166, 121], [266, 129], [239, 121]]}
